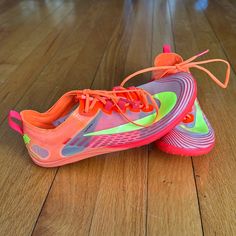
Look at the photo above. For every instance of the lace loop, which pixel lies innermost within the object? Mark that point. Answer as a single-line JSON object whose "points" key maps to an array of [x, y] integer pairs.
{"points": [[186, 65], [91, 97]]}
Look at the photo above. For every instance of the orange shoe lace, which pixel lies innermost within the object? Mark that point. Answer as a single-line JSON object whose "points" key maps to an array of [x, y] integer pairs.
{"points": [[185, 66], [121, 98]]}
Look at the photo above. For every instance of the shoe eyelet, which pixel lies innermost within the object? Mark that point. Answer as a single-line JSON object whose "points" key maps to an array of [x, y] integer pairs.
{"points": [[188, 118]]}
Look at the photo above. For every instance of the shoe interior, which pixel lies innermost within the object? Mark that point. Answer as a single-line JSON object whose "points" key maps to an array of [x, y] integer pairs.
{"points": [[54, 117]]}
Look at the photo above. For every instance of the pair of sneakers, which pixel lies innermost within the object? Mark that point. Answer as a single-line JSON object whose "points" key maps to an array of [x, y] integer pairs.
{"points": [[86, 123]]}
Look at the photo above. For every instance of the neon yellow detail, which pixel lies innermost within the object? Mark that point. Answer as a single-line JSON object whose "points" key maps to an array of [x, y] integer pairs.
{"points": [[200, 123], [168, 101], [26, 139]]}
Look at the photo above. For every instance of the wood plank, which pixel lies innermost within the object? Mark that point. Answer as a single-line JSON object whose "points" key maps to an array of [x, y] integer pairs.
{"points": [[172, 197], [17, 171], [48, 82], [7, 12], [7, 5], [215, 175], [172, 200], [54, 22], [12, 18], [16, 51], [30, 22], [120, 207], [225, 28], [128, 190], [162, 28], [122, 197], [22, 10], [27, 72]]}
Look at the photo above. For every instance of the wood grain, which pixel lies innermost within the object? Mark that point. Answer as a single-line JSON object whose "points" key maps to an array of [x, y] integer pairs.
{"points": [[23, 204], [172, 194], [26, 27], [50, 47], [96, 201], [122, 210], [23, 68], [215, 175]]}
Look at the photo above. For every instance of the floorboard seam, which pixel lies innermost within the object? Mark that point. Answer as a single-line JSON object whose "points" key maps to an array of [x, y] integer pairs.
{"points": [[194, 176], [147, 168], [171, 25], [108, 44], [94, 78], [37, 76], [198, 200], [219, 41], [42, 207]]}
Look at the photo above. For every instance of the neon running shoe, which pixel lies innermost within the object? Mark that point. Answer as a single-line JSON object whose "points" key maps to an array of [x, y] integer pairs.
{"points": [[87, 123], [194, 135]]}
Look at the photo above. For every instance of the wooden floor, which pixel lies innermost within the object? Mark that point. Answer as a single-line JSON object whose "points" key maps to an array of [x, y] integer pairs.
{"points": [[48, 47]]}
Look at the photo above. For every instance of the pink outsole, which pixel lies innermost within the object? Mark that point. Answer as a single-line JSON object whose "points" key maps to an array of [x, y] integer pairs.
{"points": [[167, 148], [149, 140]]}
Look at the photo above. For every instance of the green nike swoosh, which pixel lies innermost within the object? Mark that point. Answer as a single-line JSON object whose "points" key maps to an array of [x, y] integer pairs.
{"points": [[168, 101], [200, 123]]}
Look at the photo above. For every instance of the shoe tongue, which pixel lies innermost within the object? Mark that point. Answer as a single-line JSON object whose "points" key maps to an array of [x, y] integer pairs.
{"points": [[166, 59]]}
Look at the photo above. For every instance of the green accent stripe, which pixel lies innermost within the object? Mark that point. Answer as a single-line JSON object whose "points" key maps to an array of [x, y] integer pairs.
{"points": [[168, 101]]}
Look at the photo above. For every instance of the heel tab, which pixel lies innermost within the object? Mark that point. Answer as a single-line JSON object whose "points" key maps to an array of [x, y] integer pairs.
{"points": [[166, 48], [12, 116]]}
